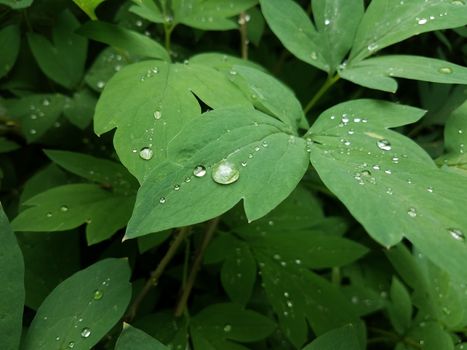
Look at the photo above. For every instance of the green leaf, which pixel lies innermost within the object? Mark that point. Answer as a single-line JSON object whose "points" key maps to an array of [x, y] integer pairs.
{"points": [[83, 308], [80, 109], [388, 22], [63, 60], [357, 157], [200, 14], [46, 178], [17, 4], [238, 273], [12, 291], [150, 102], [9, 38], [400, 308], [379, 73], [125, 41], [151, 241], [43, 270], [69, 206], [220, 323], [323, 44], [165, 327], [133, 338], [37, 113], [7, 145], [297, 295], [218, 159], [431, 336], [89, 6], [344, 338], [255, 25], [109, 174]]}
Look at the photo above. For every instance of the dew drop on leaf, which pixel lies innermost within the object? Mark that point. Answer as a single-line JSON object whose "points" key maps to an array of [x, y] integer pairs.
{"points": [[49, 214], [85, 332], [384, 145], [456, 234], [71, 345], [199, 171], [146, 153], [162, 200], [227, 328], [225, 173], [157, 115], [98, 294], [412, 212], [64, 208], [445, 70]]}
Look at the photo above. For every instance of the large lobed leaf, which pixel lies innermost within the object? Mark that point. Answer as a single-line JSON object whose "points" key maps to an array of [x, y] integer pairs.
{"points": [[404, 194]]}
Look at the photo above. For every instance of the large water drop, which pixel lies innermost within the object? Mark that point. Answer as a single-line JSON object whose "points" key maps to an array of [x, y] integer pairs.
{"points": [[225, 173]]}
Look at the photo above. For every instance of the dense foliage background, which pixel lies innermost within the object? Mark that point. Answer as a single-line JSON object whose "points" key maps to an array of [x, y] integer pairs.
{"points": [[222, 174]]}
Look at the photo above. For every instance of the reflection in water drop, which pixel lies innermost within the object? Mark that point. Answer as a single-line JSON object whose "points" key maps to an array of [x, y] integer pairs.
{"points": [[225, 173]]}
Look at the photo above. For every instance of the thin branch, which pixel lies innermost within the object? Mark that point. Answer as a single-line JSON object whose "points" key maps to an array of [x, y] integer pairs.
{"points": [[211, 229], [243, 21], [155, 275], [330, 81]]}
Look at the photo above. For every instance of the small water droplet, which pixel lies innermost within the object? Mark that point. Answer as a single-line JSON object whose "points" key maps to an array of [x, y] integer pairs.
{"points": [[85, 332], [33, 131], [244, 164], [146, 153], [384, 145], [372, 47], [199, 171], [289, 303], [227, 328], [98, 294], [327, 22], [345, 119], [176, 187], [412, 212], [100, 84], [376, 167], [157, 115], [45, 102], [422, 21], [395, 160], [71, 345], [162, 200], [430, 189], [49, 214], [313, 55], [225, 172], [64, 208], [456, 234], [389, 190], [445, 70]]}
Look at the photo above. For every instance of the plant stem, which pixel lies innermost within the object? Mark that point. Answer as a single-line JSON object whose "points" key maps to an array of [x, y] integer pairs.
{"points": [[168, 28], [336, 276], [154, 278], [211, 229], [243, 21], [390, 336], [330, 81]]}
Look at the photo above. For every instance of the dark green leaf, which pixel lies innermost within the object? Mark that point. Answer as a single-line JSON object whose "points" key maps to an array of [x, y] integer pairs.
{"points": [[344, 338], [9, 38], [80, 109], [89, 6], [132, 338], [17, 4], [82, 309], [400, 308], [12, 291]]}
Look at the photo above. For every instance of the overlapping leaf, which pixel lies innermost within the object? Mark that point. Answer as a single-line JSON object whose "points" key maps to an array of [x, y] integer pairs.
{"points": [[344, 338], [9, 38], [82, 309], [133, 338], [261, 155], [89, 6], [201, 14], [12, 291], [404, 194], [17, 4], [150, 102], [63, 60]]}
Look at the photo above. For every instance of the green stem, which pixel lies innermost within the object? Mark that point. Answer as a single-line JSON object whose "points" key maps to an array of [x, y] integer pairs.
{"points": [[336, 276], [211, 229], [330, 81], [243, 20], [168, 28], [154, 278]]}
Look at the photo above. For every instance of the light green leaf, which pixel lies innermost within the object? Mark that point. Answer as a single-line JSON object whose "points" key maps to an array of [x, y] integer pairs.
{"points": [[43, 270], [200, 14], [37, 113], [132, 338], [379, 73], [82, 309], [12, 291], [220, 158], [89, 6], [295, 30], [400, 308], [17, 4], [297, 295], [219, 323], [9, 38], [150, 102], [69, 206], [238, 273], [125, 41], [387, 22], [357, 157], [80, 109], [109, 174], [431, 336], [344, 338], [222, 62], [63, 60]]}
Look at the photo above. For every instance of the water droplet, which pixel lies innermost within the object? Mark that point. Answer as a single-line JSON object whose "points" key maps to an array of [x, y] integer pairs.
{"points": [[376, 167], [412, 212], [395, 160], [46, 102], [289, 303], [227, 328], [199, 171], [422, 21], [327, 22], [157, 115], [100, 84], [225, 173], [187, 179], [384, 144], [146, 153], [430, 189], [49, 214], [176, 187], [457, 2], [98, 294], [85, 332], [456, 234], [445, 70], [64, 208], [33, 131], [71, 345], [345, 119], [244, 164], [372, 47], [162, 200], [313, 55], [298, 261]]}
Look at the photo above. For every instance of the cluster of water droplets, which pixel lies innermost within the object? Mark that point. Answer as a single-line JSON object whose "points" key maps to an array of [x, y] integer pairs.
{"points": [[149, 74]]}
